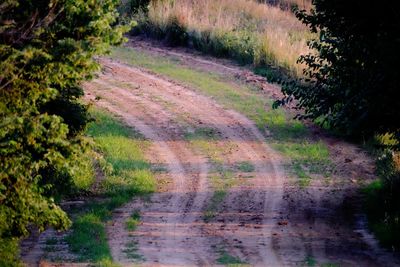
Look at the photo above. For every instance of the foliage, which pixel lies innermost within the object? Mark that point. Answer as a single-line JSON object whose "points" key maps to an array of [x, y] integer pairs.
{"points": [[128, 9], [353, 76], [8, 255], [126, 174], [383, 200], [46, 50]]}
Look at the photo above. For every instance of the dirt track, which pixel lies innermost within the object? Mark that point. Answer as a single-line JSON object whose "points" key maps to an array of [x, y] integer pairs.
{"points": [[173, 231], [263, 221]]}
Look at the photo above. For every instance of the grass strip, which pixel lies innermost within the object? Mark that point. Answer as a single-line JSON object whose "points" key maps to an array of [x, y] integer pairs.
{"points": [[127, 174], [285, 134]]}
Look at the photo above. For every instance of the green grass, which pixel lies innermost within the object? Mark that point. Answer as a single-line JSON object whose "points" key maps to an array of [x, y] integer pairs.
{"points": [[131, 251], [88, 238], [127, 174], [245, 166], [221, 182], [84, 173], [289, 136], [228, 260], [133, 221], [215, 201]]}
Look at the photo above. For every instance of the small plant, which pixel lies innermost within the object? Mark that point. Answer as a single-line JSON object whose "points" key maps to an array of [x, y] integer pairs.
{"points": [[133, 221], [131, 251], [310, 261], [226, 259], [245, 166], [213, 205]]}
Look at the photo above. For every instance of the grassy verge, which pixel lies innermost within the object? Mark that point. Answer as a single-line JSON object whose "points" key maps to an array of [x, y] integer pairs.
{"points": [[285, 134], [127, 174]]}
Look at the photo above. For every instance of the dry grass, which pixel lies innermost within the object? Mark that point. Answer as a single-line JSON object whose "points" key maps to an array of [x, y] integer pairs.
{"points": [[268, 34]]}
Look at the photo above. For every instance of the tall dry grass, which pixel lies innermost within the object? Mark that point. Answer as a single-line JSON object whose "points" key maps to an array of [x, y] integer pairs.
{"points": [[247, 29]]}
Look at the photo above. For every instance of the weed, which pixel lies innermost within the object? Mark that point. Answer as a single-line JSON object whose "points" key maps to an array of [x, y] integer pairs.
{"points": [[205, 139], [226, 259], [215, 201], [304, 178], [310, 261], [245, 166], [131, 251], [133, 221], [221, 182], [88, 238], [382, 201]]}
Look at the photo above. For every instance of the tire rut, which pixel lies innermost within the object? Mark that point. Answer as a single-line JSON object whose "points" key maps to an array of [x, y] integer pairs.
{"points": [[249, 213]]}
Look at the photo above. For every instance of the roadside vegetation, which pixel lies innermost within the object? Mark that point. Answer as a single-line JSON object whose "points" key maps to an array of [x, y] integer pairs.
{"points": [[126, 175], [46, 51], [247, 31]]}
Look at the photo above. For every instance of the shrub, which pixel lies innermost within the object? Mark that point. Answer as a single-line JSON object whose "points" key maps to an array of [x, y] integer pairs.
{"points": [[46, 50], [383, 200], [352, 77]]}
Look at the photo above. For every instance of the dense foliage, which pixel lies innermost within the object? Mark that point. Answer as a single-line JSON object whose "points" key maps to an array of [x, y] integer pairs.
{"points": [[351, 85], [46, 50], [383, 200], [128, 8], [353, 78]]}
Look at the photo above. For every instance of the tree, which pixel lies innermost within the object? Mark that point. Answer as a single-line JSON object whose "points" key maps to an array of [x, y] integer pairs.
{"points": [[352, 76], [46, 50]]}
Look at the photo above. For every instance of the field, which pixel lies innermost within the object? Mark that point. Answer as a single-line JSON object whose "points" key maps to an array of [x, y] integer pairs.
{"points": [[250, 32]]}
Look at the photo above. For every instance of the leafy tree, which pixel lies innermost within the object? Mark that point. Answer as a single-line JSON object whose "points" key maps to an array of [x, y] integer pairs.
{"points": [[46, 50], [352, 79]]}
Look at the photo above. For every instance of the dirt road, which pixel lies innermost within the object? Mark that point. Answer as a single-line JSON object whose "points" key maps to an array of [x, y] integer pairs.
{"points": [[211, 210], [173, 229]]}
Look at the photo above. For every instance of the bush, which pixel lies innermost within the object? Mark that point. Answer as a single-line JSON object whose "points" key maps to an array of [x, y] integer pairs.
{"points": [[175, 33], [383, 200], [352, 76], [46, 51]]}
